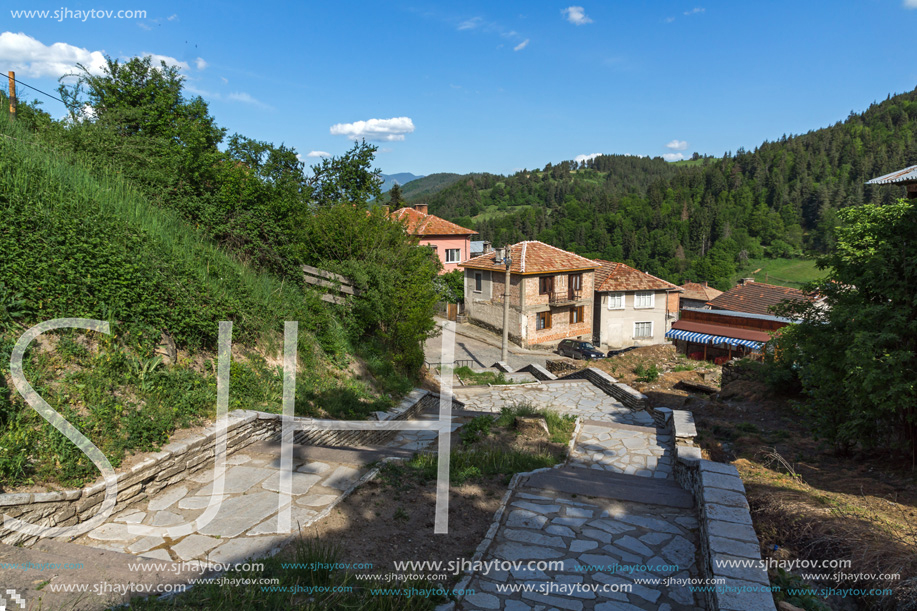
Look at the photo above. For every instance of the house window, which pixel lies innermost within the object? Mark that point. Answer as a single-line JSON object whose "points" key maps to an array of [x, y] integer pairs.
{"points": [[576, 282], [577, 314], [453, 255], [543, 320], [644, 299], [643, 330], [545, 285], [615, 301], [478, 282]]}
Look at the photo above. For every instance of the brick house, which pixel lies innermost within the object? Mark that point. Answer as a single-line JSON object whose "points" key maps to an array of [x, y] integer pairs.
{"points": [[451, 242], [632, 308], [550, 293]]}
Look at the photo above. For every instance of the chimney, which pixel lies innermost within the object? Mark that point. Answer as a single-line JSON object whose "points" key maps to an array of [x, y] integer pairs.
{"points": [[421, 208], [745, 281], [487, 247]]}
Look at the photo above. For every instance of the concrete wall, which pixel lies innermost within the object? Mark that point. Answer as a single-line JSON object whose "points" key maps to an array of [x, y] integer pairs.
{"points": [[443, 242], [616, 327], [622, 392]]}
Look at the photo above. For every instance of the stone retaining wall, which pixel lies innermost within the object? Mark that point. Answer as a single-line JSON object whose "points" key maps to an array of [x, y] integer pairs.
{"points": [[622, 392], [726, 531], [181, 459], [734, 370], [538, 372], [175, 462], [561, 367]]}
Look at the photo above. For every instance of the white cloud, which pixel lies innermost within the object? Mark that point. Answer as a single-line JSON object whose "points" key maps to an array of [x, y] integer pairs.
{"points": [[576, 15], [318, 154], [170, 61], [470, 24], [246, 98], [173, 18], [225, 80], [200, 63], [673, 156], [695, 11], [143, 26], [669, 19], [581, 158], [377, 130], [910, 4], [521, 45], [30, 57], [677, 145]]}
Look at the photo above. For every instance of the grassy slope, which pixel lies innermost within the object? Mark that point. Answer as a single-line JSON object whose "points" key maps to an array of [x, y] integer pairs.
{"points": [[81, 244], [782, 272]]}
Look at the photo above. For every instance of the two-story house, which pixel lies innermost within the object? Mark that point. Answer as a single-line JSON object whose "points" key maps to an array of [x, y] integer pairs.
{"points": [[550, 293], [451, 242], [632, 308]]}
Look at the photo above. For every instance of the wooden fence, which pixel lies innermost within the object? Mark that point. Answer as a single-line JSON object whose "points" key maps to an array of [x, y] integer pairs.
{"points": [[335, 283]]}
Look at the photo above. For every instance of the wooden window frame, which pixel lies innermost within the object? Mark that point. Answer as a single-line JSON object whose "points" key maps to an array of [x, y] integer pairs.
{"points": [[577, 315], [545, 285], [543, 316], [575, 282]]}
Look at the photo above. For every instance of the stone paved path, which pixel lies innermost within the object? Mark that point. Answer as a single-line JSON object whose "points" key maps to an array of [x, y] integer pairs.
{"points": [[577, 397], [633, 450], [604, 548], [247, 523]]}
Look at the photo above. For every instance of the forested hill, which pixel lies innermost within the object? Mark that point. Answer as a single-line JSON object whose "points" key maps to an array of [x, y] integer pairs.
{"points": [[701, 221]]}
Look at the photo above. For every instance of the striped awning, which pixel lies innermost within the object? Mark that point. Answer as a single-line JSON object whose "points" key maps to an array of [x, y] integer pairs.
{"points": [[703, 338]]}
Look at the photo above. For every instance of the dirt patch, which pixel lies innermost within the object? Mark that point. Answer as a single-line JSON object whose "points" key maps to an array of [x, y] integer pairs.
{"points": [[391, 519]]}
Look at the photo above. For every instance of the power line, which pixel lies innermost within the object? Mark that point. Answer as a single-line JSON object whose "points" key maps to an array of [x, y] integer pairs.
{"points": [[40, 91]]}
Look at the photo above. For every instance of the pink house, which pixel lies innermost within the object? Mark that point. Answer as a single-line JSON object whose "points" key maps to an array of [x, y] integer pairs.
{"points": [[451, 242]]}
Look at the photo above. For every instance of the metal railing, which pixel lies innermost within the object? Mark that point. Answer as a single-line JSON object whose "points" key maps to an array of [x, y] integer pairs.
{"points": [[561, 297]]}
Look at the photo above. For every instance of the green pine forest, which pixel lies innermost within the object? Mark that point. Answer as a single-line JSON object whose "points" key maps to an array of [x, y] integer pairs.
{"points": [[702, 219]]}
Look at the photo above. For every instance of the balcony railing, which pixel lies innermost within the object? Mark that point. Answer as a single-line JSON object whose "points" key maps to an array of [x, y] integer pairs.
{"points": [[565, 297]]}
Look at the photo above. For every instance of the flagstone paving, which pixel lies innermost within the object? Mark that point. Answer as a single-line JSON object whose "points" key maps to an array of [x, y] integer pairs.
{"points": [[607, 552], [576, 397], [247, 523], [625, 449]]}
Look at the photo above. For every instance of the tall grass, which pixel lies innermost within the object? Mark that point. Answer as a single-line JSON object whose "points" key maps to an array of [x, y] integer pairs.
{"points": [[52, 185]]}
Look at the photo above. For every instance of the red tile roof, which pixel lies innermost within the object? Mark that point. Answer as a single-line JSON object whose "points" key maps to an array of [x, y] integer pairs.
{"points": [[756, 297], [534, 258], [620, 277], [699, 292], [419, 223]]}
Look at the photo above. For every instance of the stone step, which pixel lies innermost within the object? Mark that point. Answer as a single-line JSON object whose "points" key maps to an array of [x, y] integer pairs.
{"points": [[101, 570], [339, 454], [605, 484]]}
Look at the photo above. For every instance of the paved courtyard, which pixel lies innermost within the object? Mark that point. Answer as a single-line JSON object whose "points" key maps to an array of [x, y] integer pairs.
{"points": [[247, 522], [576, 397]]}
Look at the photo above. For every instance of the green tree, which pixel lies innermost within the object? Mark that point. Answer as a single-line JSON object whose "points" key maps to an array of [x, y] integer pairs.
{"points": [[395, 198], [856, 354], [348, 178]]}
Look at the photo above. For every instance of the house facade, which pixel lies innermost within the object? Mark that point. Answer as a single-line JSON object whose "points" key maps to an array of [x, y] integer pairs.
{"points": [[721, 335], [451, 242], [697, 294], [550, 293], [632, 308]]}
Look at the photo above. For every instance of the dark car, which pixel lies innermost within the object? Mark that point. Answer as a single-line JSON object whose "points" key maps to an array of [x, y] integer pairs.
{"points": [[578, 350]]}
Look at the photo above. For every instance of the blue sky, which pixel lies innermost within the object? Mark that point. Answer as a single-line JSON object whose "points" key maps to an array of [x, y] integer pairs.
{"points": [[475, 86]]}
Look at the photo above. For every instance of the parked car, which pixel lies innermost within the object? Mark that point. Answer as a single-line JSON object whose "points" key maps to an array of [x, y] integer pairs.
{"points": [[576, 349]]}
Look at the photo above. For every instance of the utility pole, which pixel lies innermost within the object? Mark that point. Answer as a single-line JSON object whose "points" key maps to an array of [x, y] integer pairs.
{"points": [[507, 261], [12, 95]]}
